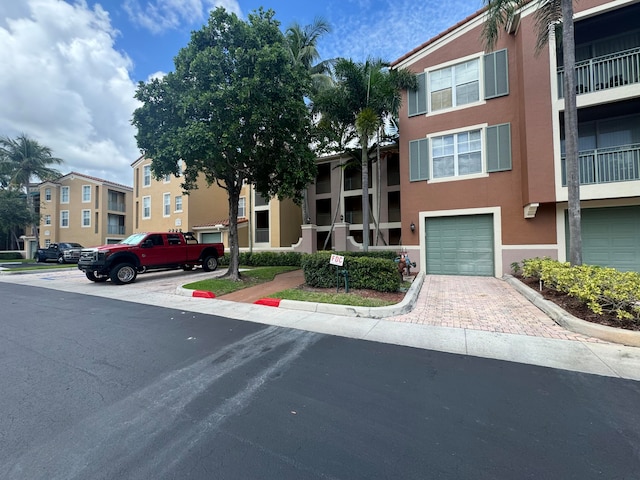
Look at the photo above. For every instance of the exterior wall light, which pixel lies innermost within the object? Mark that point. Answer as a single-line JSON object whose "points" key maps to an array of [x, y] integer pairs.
{"points": [[412, 227]]}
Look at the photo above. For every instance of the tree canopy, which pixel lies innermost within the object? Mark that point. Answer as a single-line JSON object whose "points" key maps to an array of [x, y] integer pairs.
{"points": [[233, 111]]}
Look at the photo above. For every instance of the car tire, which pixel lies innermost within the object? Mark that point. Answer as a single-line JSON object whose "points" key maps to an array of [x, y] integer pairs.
{"points": [[210, 263], [92, 276], [61, 259], [123, 273]]}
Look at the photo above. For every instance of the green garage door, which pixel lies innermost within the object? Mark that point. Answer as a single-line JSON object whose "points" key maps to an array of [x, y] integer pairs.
{"points": [[611, 237], [460, 245]]}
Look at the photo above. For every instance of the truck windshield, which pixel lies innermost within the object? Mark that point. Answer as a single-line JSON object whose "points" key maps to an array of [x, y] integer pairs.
{"points": [[134, 239]]}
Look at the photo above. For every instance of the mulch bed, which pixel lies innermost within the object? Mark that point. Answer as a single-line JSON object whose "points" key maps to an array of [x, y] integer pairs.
{"points": [[577, 308]]}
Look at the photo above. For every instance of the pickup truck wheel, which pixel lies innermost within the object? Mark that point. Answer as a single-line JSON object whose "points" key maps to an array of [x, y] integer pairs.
{"points": [[210, 263], [92, 276], [61, 260], [37, 258], [123, 273]]}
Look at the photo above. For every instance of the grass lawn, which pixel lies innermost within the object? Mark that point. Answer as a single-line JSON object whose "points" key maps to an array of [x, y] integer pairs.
{"points": [[254, 276], [352, 299]]}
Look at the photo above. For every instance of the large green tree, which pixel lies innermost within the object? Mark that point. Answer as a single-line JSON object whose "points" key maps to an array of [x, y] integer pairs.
{"points": [[23, 160], [549, 14], [353, 109], [233, 111], [14, 214]]}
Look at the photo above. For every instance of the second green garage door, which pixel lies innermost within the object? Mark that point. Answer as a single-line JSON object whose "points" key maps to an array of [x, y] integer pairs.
{"points": [[461, 245]]}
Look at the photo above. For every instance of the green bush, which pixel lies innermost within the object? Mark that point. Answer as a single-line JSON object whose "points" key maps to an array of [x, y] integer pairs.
{"points": [[266, 259], [602, 289], [364, 272], [10, 256]]}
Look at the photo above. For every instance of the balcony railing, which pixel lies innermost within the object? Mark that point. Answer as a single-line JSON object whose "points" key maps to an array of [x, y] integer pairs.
{"points": [[115, 229], [116, 206], [607, 71], [262, 235], [606, 165]]}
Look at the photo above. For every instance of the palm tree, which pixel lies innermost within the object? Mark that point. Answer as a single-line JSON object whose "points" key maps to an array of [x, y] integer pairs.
{"points": [[23, 160], [549, 13], [363, 95]]}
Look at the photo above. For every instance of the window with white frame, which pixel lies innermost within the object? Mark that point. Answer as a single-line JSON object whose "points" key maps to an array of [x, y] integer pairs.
{"points": [[166, 178], [47, 194], [47, 219], [146, 207], [64, 218], [86, 193], [64, 195], [242, 207], [47, 242], [459, 154], [86, 218], [166, 202], [146, 175], [178, 202], [455, 85]]}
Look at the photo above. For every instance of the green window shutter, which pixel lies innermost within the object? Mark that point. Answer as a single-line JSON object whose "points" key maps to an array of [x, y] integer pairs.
{"points": [[418, 160], [496, 74], [499, 148], [417, 99]]}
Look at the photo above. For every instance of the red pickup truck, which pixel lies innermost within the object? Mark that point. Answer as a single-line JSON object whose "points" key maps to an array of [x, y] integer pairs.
{"points": [[121, 262]]}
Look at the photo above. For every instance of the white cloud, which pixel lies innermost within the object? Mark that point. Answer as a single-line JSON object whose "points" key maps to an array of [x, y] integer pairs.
{"points": [[64, 84], [399, 27], [160, 15]]}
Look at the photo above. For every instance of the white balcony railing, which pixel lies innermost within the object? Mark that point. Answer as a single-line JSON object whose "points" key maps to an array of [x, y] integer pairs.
{"points": [[607, 71], [606, 165]]}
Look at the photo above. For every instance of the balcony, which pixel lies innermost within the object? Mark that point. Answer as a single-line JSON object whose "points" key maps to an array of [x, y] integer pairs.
{"points": [[604, 72], [607, 165], [117, 206], [115, 230], [262, 235]]}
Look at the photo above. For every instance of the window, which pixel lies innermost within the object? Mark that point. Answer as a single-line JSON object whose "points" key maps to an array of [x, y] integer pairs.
{"points": [[242, 207], [166, 202], [86, 193], [166, 178], [178, 203], [47, 219], [146, 175], [454, 86], [64, 195], [64, 218], [146, 207], [47, 194], [457, 154], [86, 218], [460, 154]]}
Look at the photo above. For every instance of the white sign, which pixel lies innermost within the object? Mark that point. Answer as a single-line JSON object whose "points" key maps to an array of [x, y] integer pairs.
{"points": [[336, 260]]}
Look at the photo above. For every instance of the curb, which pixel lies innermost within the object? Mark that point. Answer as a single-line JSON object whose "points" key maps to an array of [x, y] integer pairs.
{"points": [[185, 292], [574, 324], [406, 305]]}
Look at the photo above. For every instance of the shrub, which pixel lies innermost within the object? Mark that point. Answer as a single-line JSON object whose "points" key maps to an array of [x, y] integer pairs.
{"points": [[379, 274], [10, 256], [601, 289], [266, 259]]}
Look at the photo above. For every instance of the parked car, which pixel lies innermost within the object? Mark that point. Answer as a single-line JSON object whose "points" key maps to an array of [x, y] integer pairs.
{"points": [[56, 252], [141, 252]]}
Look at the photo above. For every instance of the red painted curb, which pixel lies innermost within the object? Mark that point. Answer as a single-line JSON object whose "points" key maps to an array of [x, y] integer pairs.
{"points": [[269, 302], [203, 294]]}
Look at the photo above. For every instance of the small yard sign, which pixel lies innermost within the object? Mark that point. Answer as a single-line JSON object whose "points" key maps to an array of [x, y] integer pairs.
{"points": [[337, 260]]}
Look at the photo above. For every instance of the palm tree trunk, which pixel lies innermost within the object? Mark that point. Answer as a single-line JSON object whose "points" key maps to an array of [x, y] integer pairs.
{"points": [[571, 135], [364, 142]]}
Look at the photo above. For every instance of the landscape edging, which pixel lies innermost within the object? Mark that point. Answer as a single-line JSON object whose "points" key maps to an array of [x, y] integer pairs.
{"points": [[572, 323]]}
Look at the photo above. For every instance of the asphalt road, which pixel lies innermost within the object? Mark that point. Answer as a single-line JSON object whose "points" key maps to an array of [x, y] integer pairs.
{"points": [[94, 388]]}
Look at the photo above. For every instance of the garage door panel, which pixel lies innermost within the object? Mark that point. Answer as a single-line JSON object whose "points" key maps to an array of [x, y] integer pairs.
{"points": [[461, 245]]}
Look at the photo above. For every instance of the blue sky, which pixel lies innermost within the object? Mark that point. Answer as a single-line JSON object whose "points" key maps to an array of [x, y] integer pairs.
{"points": [[75, 64]]}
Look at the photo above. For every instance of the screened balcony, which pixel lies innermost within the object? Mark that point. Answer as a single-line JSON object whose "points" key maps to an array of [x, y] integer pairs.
{"points": [[607, 50]]}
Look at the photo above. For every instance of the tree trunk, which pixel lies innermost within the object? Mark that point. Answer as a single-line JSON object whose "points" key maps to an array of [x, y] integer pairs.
{"points": [[234, 249], [571, 134], [364, 142]]}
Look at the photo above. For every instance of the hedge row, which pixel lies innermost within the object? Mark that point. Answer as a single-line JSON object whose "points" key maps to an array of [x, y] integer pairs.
{"points": [[266, 259], [602, 289], [10, 256], [379, 274]]}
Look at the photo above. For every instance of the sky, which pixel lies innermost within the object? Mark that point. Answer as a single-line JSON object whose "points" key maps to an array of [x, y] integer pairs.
{"points": [[69, 68]]}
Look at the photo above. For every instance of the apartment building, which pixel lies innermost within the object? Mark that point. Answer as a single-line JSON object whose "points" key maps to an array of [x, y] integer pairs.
{"points": [[161, 205], [83, 209], [336, 198], [481, 144]]}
